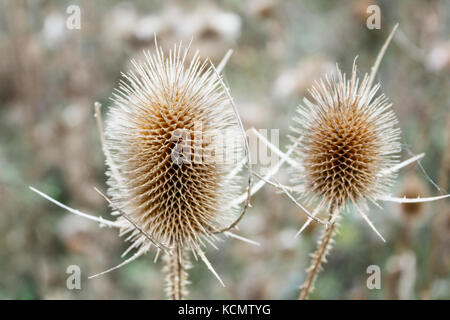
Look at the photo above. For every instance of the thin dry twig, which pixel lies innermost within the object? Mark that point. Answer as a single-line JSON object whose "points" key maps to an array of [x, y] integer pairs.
{"points": [[99, 219], [278, 185], [247, 151]]}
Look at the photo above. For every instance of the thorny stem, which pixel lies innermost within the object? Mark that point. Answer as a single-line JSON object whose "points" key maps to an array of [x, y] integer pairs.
{"points": [[176, 266], [319, 257]]}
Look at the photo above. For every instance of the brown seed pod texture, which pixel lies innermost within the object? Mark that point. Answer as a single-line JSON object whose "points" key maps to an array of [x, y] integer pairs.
{"points": [[173, 137], [348, 139]]}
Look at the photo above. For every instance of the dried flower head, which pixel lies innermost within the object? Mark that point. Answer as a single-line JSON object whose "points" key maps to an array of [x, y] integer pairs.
{"points": [[174, 145], [346, 149], [171, 139], [160, 133], [348, 138]]}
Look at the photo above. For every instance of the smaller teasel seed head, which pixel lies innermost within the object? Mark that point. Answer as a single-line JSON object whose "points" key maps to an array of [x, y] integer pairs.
{"points": [[349, 137]]}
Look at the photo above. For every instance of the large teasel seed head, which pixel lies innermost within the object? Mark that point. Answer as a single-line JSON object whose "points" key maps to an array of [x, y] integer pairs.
{"points": [[172, 139], [348, 137]]}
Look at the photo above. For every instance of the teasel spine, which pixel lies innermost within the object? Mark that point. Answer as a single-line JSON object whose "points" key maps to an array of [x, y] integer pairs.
{"points": [[176, 265]]}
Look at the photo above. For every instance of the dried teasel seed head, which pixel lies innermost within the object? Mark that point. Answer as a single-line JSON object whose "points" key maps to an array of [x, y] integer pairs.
{"points": [[349, 137], [172, 138]]}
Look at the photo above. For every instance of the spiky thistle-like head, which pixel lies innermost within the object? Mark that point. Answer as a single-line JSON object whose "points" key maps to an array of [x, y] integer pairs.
{"points": [[347, 137], [167, 133]]}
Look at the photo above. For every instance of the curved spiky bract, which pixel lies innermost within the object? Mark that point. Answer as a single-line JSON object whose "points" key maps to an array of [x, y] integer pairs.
{"points": [[349, 137], [172, 138]]}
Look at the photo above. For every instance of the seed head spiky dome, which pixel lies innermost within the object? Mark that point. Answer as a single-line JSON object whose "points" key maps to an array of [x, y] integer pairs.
{"points": [[346, 138], [168, 131]]}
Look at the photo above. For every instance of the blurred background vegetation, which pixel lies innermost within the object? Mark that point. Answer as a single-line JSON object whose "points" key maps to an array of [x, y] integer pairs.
{"points": [[50, 76]]}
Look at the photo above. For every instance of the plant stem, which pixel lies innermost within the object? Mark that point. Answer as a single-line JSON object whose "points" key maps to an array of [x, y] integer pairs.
{"points": [[176, 268], [319, 257]]}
